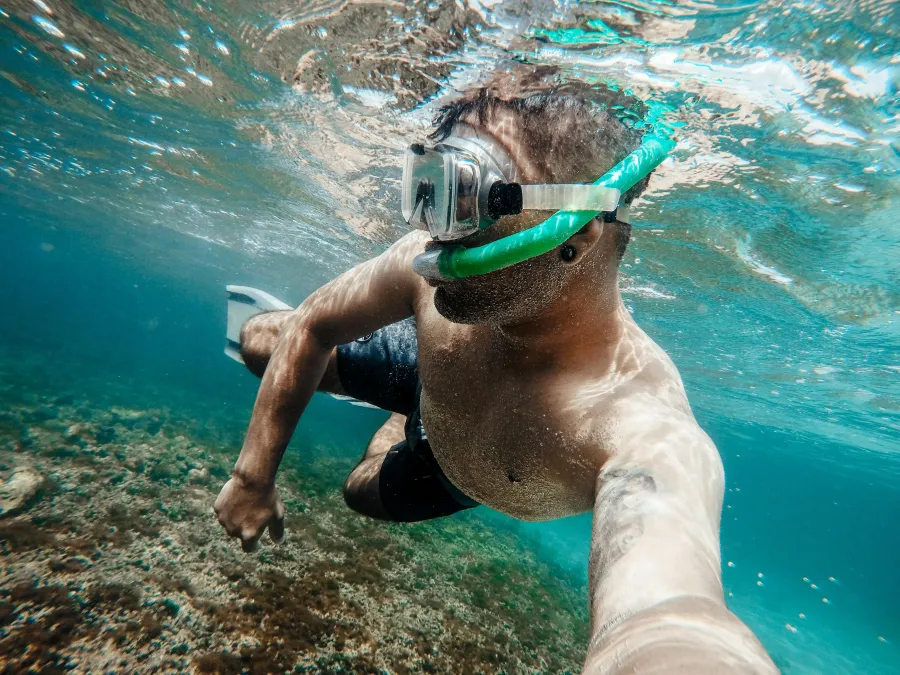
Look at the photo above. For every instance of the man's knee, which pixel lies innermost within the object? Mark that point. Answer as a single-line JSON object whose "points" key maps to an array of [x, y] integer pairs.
{"points": [[361, 492], [259, 336]]}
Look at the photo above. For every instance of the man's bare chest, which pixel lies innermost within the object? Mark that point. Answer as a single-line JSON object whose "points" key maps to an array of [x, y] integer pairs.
{"points": [[514, 441]]}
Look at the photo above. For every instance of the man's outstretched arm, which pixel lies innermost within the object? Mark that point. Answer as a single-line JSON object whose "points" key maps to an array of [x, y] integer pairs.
{"points": [[657, 604], [368, 297]]}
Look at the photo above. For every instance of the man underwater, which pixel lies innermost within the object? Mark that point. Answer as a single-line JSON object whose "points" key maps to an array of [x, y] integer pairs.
{"points": [[529, 389]]}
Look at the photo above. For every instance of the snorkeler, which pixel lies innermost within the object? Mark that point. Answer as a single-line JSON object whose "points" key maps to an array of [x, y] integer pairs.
{"points": [[516, 377]]}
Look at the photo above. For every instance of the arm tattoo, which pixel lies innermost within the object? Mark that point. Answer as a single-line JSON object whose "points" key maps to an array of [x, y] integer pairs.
{"points": [[618, 516], [618, 523]]}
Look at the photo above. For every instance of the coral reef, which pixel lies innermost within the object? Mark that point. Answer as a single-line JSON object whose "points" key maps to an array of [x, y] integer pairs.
{"points": [[113, 562]]}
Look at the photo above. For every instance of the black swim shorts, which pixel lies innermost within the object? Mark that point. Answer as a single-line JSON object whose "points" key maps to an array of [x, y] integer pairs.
{"points": [[382, 369]]}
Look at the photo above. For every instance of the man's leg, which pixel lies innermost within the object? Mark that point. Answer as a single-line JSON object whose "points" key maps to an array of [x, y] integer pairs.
{"points": [[361, 489]]}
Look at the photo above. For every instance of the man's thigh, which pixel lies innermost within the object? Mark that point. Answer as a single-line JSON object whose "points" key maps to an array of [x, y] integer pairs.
{"points": [[388, 435]]}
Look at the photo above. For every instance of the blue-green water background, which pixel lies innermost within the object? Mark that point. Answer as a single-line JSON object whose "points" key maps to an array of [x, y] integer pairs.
{"points": [[767, 263]]}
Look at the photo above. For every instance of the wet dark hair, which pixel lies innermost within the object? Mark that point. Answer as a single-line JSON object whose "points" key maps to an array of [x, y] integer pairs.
{"points": [[566, 127]]}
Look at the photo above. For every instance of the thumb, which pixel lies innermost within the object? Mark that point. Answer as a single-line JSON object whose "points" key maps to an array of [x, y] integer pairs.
{"points": [[276, 525]]}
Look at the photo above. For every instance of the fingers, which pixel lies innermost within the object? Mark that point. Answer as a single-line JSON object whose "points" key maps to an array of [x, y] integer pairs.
{"points": [[276, 525], [250, 536], [247, 519], [249, 542]]}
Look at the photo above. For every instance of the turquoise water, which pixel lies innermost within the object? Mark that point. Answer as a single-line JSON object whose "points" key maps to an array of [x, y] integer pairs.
{"points": [[152, 152]]}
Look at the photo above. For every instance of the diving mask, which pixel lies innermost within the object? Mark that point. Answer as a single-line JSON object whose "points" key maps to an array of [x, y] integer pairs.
{"points": [[459, 186]]}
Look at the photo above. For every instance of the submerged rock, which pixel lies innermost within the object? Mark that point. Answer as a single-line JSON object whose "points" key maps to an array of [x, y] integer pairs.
{"points": [[196, 475], [80, 433], [18, 490]]}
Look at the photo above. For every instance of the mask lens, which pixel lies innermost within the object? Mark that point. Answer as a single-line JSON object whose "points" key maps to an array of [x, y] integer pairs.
{"points": [[440, 191], [422, 198], [467, 183]]}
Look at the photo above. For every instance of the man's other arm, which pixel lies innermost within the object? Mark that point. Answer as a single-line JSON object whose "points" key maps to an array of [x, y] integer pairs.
{"points": [[374, 294], [657, 604]]}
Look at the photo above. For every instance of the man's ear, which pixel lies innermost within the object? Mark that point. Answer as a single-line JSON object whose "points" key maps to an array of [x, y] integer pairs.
{"points": [[582, 242]]}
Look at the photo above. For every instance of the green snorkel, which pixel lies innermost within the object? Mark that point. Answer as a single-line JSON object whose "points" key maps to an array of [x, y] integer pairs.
{"points": [[459, 262]]}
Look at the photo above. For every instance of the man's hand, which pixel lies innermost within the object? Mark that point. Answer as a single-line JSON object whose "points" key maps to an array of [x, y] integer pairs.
{"points": [[246, 510]]}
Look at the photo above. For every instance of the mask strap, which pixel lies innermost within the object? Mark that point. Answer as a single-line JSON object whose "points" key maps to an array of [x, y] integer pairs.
{"points": [[509, 199], [570, 197]]}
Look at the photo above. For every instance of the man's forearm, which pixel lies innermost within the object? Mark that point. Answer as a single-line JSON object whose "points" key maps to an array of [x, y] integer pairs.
{"points": [[291, 378], [682, 635]]}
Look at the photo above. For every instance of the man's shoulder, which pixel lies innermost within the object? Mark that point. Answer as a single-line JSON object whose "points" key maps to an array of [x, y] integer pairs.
{"points": [[650, 406], [649, 378], [411, 243]]}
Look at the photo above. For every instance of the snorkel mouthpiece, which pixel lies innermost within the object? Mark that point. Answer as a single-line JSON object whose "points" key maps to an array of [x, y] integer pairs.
{"points": [[427, 265], [459, 262]]}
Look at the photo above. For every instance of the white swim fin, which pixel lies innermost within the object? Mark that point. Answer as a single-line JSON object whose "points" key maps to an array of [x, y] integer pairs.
{"points": [[244, 302]]}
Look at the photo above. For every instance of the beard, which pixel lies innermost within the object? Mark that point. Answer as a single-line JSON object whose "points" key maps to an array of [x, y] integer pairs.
{"points": [[507, 296]]}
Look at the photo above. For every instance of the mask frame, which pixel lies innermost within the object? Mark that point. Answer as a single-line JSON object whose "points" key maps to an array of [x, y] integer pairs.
{"points": [[459, 187]]}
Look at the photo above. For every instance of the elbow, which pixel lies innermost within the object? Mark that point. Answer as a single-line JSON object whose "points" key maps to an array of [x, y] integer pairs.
{"points": [[299, 350], [303, 339], [270, 333], [313, 325]]}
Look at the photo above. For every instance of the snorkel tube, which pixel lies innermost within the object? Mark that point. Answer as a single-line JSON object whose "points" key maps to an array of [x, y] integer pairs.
{"points": [[459, 262]]}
